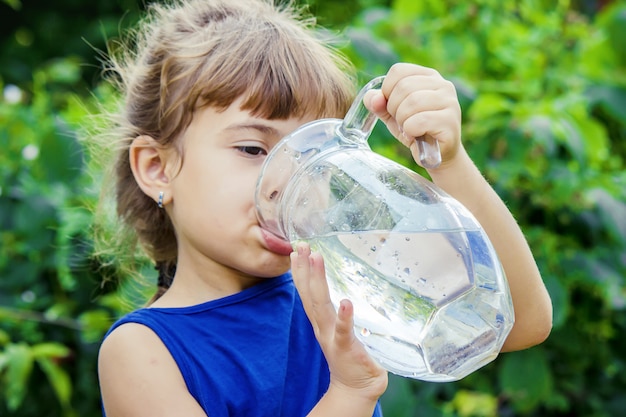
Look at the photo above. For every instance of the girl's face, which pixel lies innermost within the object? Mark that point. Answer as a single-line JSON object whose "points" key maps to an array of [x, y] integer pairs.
{"points": [[213, 208]]}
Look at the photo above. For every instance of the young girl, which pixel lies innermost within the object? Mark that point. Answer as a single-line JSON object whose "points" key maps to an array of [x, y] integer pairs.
{"points": [[210, 87]]}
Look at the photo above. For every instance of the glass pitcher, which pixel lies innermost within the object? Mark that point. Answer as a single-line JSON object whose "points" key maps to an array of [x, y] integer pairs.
{"points": [[431, 300]]}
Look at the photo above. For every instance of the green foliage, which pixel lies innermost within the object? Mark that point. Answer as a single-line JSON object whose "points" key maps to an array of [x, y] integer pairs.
{"points": [[15, 4], [543, 91], [51, 320], [36, 32]]}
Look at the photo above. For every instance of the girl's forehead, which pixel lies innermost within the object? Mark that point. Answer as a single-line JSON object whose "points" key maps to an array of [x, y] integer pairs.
{"points": [[236, 118]]}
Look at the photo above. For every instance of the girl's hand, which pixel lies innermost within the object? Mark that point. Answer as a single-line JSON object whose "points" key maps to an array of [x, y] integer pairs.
{"points": [[415, 101], [352, 371]]}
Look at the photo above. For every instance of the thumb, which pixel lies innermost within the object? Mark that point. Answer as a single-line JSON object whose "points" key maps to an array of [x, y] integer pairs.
{"points": [[375, 101]]}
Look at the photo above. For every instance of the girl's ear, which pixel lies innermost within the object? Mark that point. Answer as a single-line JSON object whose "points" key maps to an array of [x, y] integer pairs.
{"points": [[148, 161]]}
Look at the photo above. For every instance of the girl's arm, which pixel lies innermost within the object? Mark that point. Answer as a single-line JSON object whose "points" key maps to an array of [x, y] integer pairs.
{"points": [[139, 378], [531, 302]]}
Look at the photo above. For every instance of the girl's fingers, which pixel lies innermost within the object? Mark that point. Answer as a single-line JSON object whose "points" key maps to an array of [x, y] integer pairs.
{"points": [[417, 102], [322, 307], [399, 73], [376, 102], [301, 272], [421, 101], [344, 328], [309, 276], [300, 269], [432, 123]]}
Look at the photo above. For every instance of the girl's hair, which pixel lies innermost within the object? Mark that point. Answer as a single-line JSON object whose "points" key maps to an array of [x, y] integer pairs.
{"points": [[185, 55]]}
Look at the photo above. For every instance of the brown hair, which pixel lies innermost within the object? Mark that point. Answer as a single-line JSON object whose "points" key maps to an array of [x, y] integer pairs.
{"points": [[189, 54]]}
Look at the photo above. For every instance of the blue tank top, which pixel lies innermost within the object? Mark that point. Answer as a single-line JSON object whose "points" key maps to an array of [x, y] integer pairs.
{"points": [[249, 354]]}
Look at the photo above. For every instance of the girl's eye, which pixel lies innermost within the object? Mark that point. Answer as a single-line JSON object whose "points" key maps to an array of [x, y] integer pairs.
{"points": [[252, 150]]}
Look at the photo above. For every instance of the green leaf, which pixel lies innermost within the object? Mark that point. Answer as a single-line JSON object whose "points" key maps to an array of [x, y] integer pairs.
{"points": [[408, 9], [611, 98], [4, 338], [610, 281], [65, 70], [475, 404], [94, 323], [50, 350], [567, 133], [59, 380], [14, 4], [613, 20], [612, 212], [35, 213], [526, 379], [539, 127], [594, 136], [60, 155], [488, 105], [19, 366]]}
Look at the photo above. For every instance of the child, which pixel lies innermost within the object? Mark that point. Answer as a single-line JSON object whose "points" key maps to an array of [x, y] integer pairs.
{"points": [[212, 86]]}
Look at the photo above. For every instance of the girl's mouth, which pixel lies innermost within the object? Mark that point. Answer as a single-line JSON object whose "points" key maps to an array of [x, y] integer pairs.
{"points": [[276, 244]]}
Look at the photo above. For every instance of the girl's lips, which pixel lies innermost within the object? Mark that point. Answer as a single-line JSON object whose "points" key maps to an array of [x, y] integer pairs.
{"points": [[276, 244]]}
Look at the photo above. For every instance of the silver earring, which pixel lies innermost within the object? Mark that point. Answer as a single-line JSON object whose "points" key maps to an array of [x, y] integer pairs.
{"points": [[160, 202]]}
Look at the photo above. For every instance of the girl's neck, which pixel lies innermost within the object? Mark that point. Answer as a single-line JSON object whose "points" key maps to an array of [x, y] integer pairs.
{"points": [[190, 289]]}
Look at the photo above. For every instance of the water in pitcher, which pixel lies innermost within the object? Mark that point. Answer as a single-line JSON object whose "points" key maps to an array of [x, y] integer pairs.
{"points": [[430, 296], [403, 287]]}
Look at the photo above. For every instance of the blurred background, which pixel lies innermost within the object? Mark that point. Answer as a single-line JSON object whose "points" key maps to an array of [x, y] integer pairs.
{"points": [[542, 84]]}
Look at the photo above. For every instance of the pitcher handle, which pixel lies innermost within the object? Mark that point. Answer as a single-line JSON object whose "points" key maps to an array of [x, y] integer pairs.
{"points": [[359, 122]]}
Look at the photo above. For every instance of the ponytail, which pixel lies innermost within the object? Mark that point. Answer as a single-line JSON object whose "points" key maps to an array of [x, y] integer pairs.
{"points": [[167, 270]]}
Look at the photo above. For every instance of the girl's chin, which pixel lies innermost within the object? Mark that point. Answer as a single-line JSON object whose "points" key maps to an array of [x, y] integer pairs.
{"points": [[275, 244]]}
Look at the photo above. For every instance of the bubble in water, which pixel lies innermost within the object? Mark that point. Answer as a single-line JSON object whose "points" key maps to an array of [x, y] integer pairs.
{"points": [[407, 270], [422, 280], [373, 248], [365, 332], [408, 239]]}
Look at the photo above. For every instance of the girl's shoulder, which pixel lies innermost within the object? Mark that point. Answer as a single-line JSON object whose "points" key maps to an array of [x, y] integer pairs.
{"points": [[133, 356]]}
